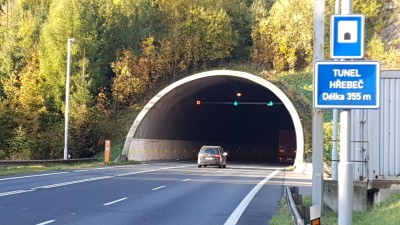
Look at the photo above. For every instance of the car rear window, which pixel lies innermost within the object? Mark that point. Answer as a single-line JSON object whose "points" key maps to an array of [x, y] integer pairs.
{"points": [[211, 151]]}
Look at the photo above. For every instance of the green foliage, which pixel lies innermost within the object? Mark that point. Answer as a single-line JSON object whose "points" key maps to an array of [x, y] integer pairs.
{"points": [[284, 44], [19, 147], [7, 123], [388, 58], [130, 83], [302, 81]]}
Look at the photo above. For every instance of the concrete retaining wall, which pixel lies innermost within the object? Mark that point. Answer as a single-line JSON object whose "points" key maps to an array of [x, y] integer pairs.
{"points": [[360, 195], [155, 149]]}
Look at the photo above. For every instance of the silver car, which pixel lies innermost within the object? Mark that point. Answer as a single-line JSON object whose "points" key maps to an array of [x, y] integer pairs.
{"points": [[211, 155]]}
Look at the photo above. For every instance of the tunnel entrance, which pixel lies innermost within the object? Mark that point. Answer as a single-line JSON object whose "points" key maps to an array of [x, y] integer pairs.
{"points": [[241, 112]]}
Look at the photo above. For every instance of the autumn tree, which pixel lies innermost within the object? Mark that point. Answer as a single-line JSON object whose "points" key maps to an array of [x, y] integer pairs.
{"points": [[283, 39]]}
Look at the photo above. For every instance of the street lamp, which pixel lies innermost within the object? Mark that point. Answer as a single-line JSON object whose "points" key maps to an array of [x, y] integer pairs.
{"points": [[70, 40]]}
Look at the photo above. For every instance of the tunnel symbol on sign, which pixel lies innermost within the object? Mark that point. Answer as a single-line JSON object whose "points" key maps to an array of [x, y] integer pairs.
{"points": [[347, 36], [348, 31]]}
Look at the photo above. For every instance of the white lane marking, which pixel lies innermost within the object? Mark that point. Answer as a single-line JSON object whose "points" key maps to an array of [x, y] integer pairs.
{"points": [[113, 202], [205, 175], [46, 222], [73, 182], [237, 213], [37, 175], [78, 171], [186, 180], [147, 171], [14, 192], [158, 188]]}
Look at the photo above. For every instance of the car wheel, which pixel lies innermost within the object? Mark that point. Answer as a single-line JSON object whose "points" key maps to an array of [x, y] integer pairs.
{"points": [[220, 166], [205, 165], [224, 166], [199, 166]]}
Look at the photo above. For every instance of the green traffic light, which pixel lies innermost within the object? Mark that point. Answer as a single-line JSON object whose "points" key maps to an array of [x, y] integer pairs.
{"points": [[235, 103], [270, 103]]}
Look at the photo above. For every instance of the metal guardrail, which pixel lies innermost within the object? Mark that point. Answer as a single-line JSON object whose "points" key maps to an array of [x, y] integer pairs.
{"points": [[297, 219], [36, 162]]}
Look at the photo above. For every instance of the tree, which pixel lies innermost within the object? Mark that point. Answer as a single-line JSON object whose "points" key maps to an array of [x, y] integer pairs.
{"points": [[131, 80], [284, 44], [19, 147], [201, 34], [387, 56]]}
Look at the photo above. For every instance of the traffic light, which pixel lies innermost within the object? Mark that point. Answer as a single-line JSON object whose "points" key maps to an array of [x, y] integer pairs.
{"points": [[198, 102], [235, 103], [270, 103]]}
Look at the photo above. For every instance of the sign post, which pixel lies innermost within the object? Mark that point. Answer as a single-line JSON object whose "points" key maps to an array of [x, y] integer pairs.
{"points": [[346, 85]]}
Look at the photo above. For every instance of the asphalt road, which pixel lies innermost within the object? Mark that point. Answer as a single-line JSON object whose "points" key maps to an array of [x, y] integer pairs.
{"points": [[156, 193]]}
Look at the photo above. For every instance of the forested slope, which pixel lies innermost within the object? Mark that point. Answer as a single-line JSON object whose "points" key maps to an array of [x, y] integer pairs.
{"points": [[126, 50]]}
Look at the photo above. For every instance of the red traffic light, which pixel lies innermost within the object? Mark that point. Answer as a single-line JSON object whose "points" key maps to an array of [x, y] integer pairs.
{"points": [[198, 102]]}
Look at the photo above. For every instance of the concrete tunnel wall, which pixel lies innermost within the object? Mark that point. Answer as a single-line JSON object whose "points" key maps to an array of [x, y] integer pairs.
{"points": [[143, 149]]}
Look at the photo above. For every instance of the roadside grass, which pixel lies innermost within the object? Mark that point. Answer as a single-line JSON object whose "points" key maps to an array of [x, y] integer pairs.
{"points": [[13, 170], [115, 152], [282, 216], [385, 213]]}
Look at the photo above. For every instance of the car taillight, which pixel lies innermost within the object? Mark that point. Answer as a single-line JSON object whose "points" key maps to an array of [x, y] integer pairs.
{"points": [[217, 156], [200, 155]]}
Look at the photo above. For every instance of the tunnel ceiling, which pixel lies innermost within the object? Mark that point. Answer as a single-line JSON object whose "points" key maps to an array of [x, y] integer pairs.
{"points": [[176, 116]]}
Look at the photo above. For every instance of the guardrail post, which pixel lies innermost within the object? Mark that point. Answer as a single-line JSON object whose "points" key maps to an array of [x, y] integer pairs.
{"points": [[293, 208], [294, 190], [304, 213]]}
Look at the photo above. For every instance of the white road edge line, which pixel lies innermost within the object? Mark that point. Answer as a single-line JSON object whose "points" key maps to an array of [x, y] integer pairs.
{"points": [[46, 222], [113, 202], [158, 188], [186, 180], [237, 213]]}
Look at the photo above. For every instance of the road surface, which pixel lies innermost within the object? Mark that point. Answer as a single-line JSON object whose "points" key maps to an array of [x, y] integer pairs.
{"points": [[169, 193]]}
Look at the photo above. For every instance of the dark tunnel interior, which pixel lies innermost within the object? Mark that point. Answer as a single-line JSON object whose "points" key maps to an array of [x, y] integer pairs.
{"points": [[204, 110]]}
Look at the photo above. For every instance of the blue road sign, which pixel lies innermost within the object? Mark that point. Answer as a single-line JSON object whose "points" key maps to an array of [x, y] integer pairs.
{"points": [[346, 84], [347, 36]]}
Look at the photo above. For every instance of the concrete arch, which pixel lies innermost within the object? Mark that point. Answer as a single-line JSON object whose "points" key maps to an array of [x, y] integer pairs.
{"points": [[227, 73]]}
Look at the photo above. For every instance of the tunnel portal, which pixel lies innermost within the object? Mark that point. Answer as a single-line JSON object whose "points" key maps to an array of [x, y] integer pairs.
{"points": [[241, 112]]}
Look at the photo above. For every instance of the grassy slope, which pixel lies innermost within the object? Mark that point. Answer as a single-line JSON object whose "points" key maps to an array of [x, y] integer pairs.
{"points": [[120, 123]]}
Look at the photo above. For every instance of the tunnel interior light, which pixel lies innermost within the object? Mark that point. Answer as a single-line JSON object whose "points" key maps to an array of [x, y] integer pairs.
{"points": [[270, 103], [238, 94], [235, 103]]}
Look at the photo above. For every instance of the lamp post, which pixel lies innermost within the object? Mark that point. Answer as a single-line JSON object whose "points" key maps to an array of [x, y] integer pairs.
{"points": [[70, 40]]}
